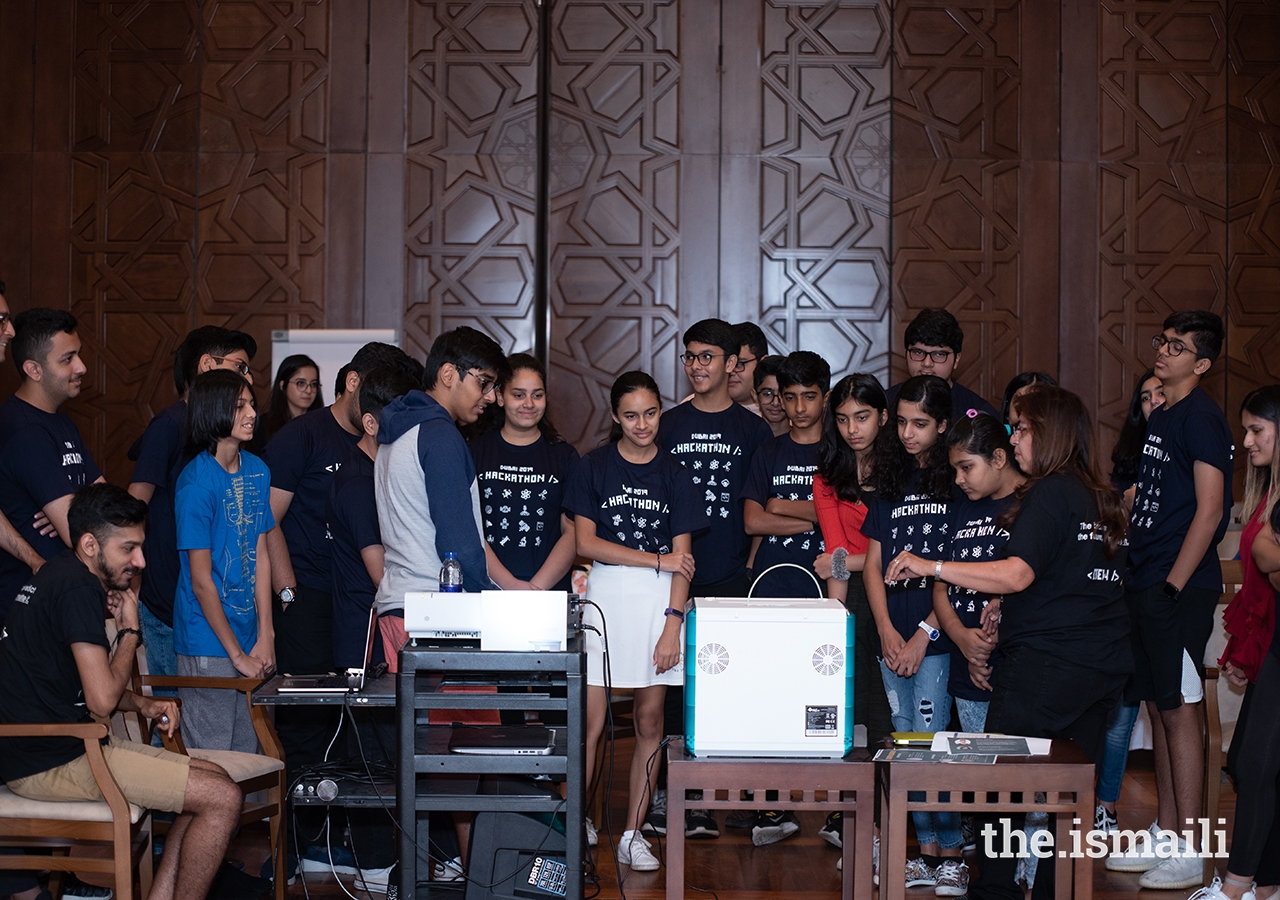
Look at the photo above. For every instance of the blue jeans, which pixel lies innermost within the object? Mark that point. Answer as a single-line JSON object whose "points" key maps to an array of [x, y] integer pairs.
{"points": [[157, 641], [1115, 754], [973, 714], [921, 703]]}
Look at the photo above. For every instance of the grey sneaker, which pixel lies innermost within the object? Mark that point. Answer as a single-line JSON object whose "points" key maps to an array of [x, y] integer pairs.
{"points": [[656, 821]]}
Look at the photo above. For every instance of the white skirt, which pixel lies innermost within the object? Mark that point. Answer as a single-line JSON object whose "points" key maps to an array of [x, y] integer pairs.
{"points": [[633, 600]]}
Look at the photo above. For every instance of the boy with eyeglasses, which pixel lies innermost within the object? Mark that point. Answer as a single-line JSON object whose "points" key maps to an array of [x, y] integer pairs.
{"points": [[1180, 513], [714, 438], [933, 342], [752, 347]]}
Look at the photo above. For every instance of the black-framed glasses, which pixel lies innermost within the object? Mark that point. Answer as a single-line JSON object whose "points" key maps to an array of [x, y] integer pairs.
{"points": [[4, 320], [240, 365], [766, 394], [487, 384], [1175, 346], [743, 362], [303, 385], [915, 354], [705, 357]]}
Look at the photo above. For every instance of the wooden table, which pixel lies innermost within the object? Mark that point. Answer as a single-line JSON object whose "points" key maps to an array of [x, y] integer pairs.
{"points": [[849, 784], [1065, 776]]}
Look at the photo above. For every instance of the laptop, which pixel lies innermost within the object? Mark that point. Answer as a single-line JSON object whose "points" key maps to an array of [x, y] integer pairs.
{"points": [[510, 740], [350, 683]]}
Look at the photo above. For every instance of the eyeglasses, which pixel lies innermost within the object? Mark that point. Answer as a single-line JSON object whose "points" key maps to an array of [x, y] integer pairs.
{"points": [[705, 357], [1019, 429], [1174, 347], [487, 384], [766, 394], [4, 320], [239, 364], [743, 362], [303, 385], [915, 354]]}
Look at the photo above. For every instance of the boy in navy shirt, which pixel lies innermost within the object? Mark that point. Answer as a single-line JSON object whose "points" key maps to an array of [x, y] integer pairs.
{"points": [[43, 459], [933, 342], [1180, 512], [156, 457]]}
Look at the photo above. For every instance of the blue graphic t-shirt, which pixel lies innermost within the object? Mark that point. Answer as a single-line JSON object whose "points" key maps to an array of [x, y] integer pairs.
{"points": [[224, 514], [159, 457], [303, 457], [717, 449], [976, 536], [641, 506], [522, 497], [42, 458], [919, 525], [784, 469], [1192, 430]]}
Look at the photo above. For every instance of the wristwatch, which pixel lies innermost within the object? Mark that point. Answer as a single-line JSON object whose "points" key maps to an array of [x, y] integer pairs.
{"points": [[1170, 591], [287, 596], [930, 630]]}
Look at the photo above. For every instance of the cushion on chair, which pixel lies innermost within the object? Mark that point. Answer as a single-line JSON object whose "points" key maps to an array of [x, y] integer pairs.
{"points": [[14, 807], [240, 766]]}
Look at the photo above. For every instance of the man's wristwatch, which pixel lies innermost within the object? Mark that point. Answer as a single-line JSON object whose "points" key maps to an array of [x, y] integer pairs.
{"points": [[287, 596], [928, 629], [1170, 591]]}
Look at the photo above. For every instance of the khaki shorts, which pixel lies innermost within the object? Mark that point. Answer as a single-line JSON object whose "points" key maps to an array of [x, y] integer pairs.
{"points": [[148, 776]]}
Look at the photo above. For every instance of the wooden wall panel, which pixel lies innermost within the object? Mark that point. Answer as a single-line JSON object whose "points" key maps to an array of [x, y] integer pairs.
{"points": [[470, 168], [805, 178], [974, 181]]}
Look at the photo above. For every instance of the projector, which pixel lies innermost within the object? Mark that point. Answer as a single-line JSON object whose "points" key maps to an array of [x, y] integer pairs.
{"points": [[769, 677]]}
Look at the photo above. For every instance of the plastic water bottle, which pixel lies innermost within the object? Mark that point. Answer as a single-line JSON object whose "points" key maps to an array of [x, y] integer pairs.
{"points": [[451, 574]]}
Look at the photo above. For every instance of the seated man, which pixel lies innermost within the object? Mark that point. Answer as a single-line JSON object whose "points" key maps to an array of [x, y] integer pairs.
{"points": [[58, 667]]}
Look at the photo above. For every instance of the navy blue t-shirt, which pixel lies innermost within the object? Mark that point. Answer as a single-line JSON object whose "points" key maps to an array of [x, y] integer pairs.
{"points": [[42, 458], [962, 400], [642, 506], [717, 449], [1192, 430], [919, 525], [352, 514], [976, 536], [783, 469], [522, 497], [303, 457], [159, 456]]}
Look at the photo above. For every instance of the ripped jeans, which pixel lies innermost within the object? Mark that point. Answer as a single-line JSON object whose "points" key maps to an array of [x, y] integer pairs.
{"points": [[921, 703]]}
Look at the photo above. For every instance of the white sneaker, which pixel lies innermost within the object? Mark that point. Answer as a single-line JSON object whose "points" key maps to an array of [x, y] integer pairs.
{"points": [[448, 871], [1140, 858], [633, 851], [592, 837], [1214, 892], [1182, 871], [875, 860]]}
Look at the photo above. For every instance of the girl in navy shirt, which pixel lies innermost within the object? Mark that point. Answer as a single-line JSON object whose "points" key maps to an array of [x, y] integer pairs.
{"points": [[523, 468], [635, 510], [986, 474], [912, 511]]}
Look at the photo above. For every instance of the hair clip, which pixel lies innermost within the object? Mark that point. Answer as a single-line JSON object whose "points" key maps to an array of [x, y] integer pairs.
{"points": [[1008, 429], [972, 413]]}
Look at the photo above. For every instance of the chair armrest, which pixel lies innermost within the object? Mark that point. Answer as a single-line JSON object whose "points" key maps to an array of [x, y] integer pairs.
{"points": [[88, 731]]}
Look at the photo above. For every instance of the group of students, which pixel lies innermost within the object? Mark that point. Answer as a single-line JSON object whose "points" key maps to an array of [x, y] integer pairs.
{"points": [[982, 552]]}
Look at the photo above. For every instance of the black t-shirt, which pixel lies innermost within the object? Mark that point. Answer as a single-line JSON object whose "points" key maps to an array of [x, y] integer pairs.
{"points": [[919, 525], [717, 449], [784, 469], [159, 456], [303, 457], [641, 506], [522, 497], [42, 458], [61, 605], [976, 536], [352, 514], [1074, 610], [962, 400], [1192, 430]]}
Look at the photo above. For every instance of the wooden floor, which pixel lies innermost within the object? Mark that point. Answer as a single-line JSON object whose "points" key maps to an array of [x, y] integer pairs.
{"points": [[803, 866]]}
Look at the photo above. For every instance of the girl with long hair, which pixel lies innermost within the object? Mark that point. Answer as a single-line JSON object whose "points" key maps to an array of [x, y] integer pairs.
{"points": [[1126, 456], [1063, 626], [1252, 660], [910, 513], [222, 623], [523, 467], [296, 390], [635, 510]]}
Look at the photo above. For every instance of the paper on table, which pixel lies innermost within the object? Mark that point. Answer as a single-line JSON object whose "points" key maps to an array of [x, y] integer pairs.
{"points": [[1037, 746]]}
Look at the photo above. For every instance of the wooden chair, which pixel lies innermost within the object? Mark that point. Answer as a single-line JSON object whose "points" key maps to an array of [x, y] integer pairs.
{"points": [[76, 829], [1232, 577], [253, 772]]}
